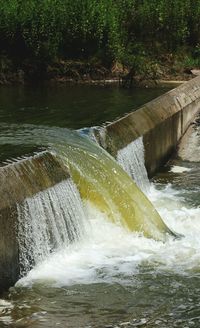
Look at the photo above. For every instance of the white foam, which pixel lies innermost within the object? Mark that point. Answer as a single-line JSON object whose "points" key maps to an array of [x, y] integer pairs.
{"points": [[6, 307], [114, 254], [179, 169], [4, 304]]}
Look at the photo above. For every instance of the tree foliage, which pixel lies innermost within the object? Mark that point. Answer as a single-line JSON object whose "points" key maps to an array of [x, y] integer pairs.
{"points": [[105, 29]]}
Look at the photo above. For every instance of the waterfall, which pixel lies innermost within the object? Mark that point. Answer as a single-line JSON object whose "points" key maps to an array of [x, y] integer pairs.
{"points": [[98, 178], [48, 221], [131, 158], [102, 181]]}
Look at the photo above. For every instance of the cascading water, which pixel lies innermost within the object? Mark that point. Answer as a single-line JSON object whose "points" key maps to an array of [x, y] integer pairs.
{"points": [[110, 276], [99, 179], [113, 276], [131, 158], [49, 221], [105, 184]]}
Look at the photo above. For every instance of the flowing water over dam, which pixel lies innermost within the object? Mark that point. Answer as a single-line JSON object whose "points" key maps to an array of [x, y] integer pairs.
{"points": [[103, 274]]}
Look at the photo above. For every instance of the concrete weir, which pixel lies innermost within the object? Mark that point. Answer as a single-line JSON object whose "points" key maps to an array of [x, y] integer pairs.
{"points": [[161, 123], [19, 181]]}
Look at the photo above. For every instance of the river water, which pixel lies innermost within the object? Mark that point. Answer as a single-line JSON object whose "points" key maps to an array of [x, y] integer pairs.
{"points": [[73, 107], [114, 278]]}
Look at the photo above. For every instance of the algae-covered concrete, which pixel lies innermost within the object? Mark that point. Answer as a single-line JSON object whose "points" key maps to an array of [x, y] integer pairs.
{"points": [[161, 122], [18, 181]]}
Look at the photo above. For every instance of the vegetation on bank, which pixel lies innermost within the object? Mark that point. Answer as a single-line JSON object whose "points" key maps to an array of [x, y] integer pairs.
{"points": [[42, 38]]}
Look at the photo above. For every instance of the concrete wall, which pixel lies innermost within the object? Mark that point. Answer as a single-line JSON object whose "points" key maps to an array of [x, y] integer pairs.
{"points": [[161, 122], [19, 181]]}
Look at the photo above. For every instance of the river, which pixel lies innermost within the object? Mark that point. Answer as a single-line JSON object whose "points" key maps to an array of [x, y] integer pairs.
{"points": [[112, 278]]}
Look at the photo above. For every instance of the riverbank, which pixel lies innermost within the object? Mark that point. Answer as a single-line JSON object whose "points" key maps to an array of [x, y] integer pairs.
{"points": [[87, 72], [82, 42]]}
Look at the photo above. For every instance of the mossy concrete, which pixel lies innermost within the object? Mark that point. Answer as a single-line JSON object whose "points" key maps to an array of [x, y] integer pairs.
{"points": [[18, 181], [161, 122]]}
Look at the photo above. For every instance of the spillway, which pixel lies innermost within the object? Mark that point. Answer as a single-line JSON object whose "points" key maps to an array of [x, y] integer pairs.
{"points": [[100, 180], [94, 250]]}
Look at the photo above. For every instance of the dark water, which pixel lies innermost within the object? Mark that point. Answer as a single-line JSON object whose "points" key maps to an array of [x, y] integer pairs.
{"points": [[153, 300], [70, 106]]}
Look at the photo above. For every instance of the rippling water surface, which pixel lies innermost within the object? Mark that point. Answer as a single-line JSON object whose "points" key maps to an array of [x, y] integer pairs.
{"points": [[68, 106]]}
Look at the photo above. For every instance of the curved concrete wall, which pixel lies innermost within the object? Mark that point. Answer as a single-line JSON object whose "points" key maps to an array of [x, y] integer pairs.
{"points": [[161, 122], [18, 181]]}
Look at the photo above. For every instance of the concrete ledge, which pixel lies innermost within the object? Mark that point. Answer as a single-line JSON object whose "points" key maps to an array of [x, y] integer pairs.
{"points": [[161, 122], [18, 181], [28, 176]]}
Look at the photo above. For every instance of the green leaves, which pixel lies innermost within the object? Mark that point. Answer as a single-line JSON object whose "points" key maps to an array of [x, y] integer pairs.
{"points": [[108, 29]]}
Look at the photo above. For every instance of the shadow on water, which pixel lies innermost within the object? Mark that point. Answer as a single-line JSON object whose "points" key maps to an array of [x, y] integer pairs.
{"points": [[70, 106], [66, 106]]}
